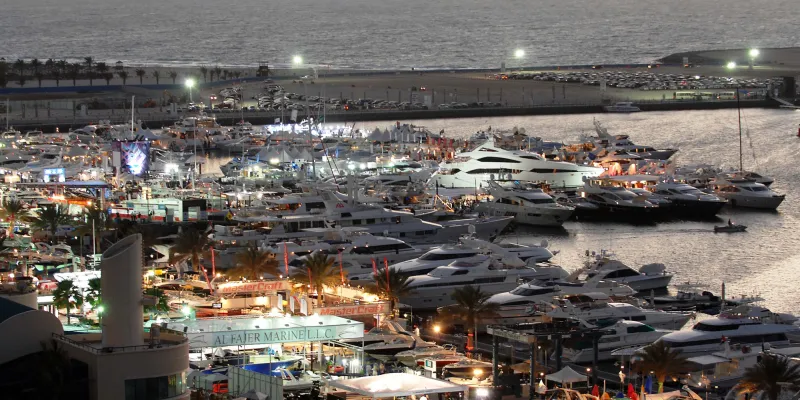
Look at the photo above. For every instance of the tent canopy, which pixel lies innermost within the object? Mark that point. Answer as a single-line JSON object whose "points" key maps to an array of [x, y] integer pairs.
{"points": [[567, 375], [395, 385]]}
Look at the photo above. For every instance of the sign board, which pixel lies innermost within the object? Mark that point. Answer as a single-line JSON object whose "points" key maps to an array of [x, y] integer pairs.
{"points": [[355, 309], [216, 305], [250, 287], [53, 171], [270, 336]]}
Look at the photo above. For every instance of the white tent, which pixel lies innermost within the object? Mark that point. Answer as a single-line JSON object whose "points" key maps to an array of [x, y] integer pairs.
{"points": [[567, 375], [395, 385]]}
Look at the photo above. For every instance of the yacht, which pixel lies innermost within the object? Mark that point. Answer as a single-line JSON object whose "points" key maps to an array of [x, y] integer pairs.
{"points": [[531, 206], [469, 247], [604, 268], [616, 202], [491, 275], [387, 332], [475, 168], [623, 142], [687, 200], [725, 368], [416, 357], [388, 350], [735, 327], [466, 368], [542, 291], [743, 192], [622, 334], [622, 107], [595, 308]]}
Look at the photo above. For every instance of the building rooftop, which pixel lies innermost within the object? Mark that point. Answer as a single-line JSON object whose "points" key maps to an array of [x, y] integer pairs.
{"points": [[10, 308]]}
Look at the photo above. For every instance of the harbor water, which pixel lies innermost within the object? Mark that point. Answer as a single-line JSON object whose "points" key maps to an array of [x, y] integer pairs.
{"points": [[413, 33], [763, 261]]}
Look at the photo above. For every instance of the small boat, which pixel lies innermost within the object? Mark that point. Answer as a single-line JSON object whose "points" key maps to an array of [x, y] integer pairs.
{"points": [[622, 107], [730, 228]]}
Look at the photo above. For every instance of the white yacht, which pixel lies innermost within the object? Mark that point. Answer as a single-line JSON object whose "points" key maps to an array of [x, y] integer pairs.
{"points": [[622, 107], [595, 308], [622, 334], [475, 168], [687, 200], [469, 247], [743, 192], [709, 335], [492, 276], [623, 142], [530, 206], [616, 202], [604, 268], [417, 356], [543, 291]]}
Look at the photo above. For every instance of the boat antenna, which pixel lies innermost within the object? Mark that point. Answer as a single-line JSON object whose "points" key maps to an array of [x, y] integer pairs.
{"points": [[739, 113]]}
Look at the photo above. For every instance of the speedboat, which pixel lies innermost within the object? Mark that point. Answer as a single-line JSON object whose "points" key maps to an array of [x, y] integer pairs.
{"points": [[688, 300], [388, 350], [595, 308], [416, 357], [529, 206], [743, 192], [730, 228], [745, 325], [484, 271], [623, 142], [621, 334], [475, 168], [616, 202]]}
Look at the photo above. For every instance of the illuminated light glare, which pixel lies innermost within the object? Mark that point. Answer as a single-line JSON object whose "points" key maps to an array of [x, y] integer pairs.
{"points": [[754, 53], [731, 65], [186, 310], [437, 328], [477, 372], [482, 392], [189, 82], [519, 53], [297, 60], [100, 309]]}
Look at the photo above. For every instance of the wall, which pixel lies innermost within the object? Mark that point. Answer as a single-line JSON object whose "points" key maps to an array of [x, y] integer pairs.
{"points": [[30, 299], [108, 371], [24, 333], [241, 380]]}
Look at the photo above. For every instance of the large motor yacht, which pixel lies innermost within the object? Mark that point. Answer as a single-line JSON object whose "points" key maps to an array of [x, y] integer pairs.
{"points": [[688, 201], [621, 334], [477, 167], [595, 308], [530, 293], [745, 325], [744, 192], [469, 247], [615, 202], [490, 274], [528, 206], [604, 268]]}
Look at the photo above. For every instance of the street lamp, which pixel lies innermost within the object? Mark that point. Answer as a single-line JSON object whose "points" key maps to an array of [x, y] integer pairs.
{"points": [[189, 85], [731, 65], [753, 54], [437, 328], [519, 53], [297, 60]]}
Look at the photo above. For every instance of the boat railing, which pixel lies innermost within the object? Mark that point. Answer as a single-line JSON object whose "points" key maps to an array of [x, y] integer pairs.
{"points": [[91, 345]]}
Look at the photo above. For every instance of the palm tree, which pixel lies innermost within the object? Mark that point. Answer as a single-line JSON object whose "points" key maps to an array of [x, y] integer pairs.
{"points": [[49, 219], [211, 73], [94, 293], [108, 76], [254, 263], [190, 245], [89, 61], [319, 271], [20, 66], [204, 71], [663, 361], [49, 64], [62, 65], [10, 211], [770, 376], [56, 74], [140, 73], [94, 221], [124, 76], [21, 80], [35, 65], [156, 74], [396, 288], [218, 72], [101, 67], [472, 306], [67, 295], [173, 75], [39, 77], [74, 72], [161, 304]]}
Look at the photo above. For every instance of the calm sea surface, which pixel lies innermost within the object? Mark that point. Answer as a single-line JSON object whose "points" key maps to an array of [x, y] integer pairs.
{"points": [[388, 34], [763, 261]]}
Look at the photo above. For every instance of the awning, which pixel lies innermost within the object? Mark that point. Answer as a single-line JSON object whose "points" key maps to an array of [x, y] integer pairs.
{"points": [[707, 360], [395, 385], [567, 375]]}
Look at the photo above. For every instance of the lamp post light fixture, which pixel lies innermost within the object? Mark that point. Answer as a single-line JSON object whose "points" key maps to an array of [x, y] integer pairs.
{"points": [[189, 83], [731, 65], [753, 53], [297, 60]]}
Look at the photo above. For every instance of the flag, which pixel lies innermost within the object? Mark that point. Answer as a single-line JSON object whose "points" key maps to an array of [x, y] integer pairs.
{"points": [[286, 259], [595, 391], [374, 267], [648, 384], [341, 267], [631, 391]]}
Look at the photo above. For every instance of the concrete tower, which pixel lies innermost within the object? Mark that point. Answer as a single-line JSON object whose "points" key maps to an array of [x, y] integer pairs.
{"points": [[121, 282]]}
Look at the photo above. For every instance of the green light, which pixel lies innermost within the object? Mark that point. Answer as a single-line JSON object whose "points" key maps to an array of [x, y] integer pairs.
{"points": [[100, 309], [186, 310]]}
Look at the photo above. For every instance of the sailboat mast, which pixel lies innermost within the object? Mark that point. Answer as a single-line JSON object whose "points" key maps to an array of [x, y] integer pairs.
{"points": [[739, 113]]}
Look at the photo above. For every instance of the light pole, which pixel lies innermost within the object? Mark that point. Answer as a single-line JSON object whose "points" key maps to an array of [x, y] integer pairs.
{"points": [[753, 53], [519, 54], [189, 85], [731, 65]]}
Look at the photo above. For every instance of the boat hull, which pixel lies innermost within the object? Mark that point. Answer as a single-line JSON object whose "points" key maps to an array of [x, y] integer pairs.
{"points": [[527, 215]]}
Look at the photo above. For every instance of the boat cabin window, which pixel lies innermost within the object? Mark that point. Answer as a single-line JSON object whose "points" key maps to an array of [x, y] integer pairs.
{"points": [[497, 159], [640, 329], [700, 326], [755, 188], [621, 273], [526, 291], [383, 248], [444, 256]]}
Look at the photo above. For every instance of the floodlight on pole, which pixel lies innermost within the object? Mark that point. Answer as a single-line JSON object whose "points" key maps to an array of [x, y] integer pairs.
{"points": [[297, 60], [189, 82], [754, 53], [519, 53], [731, 65]]}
